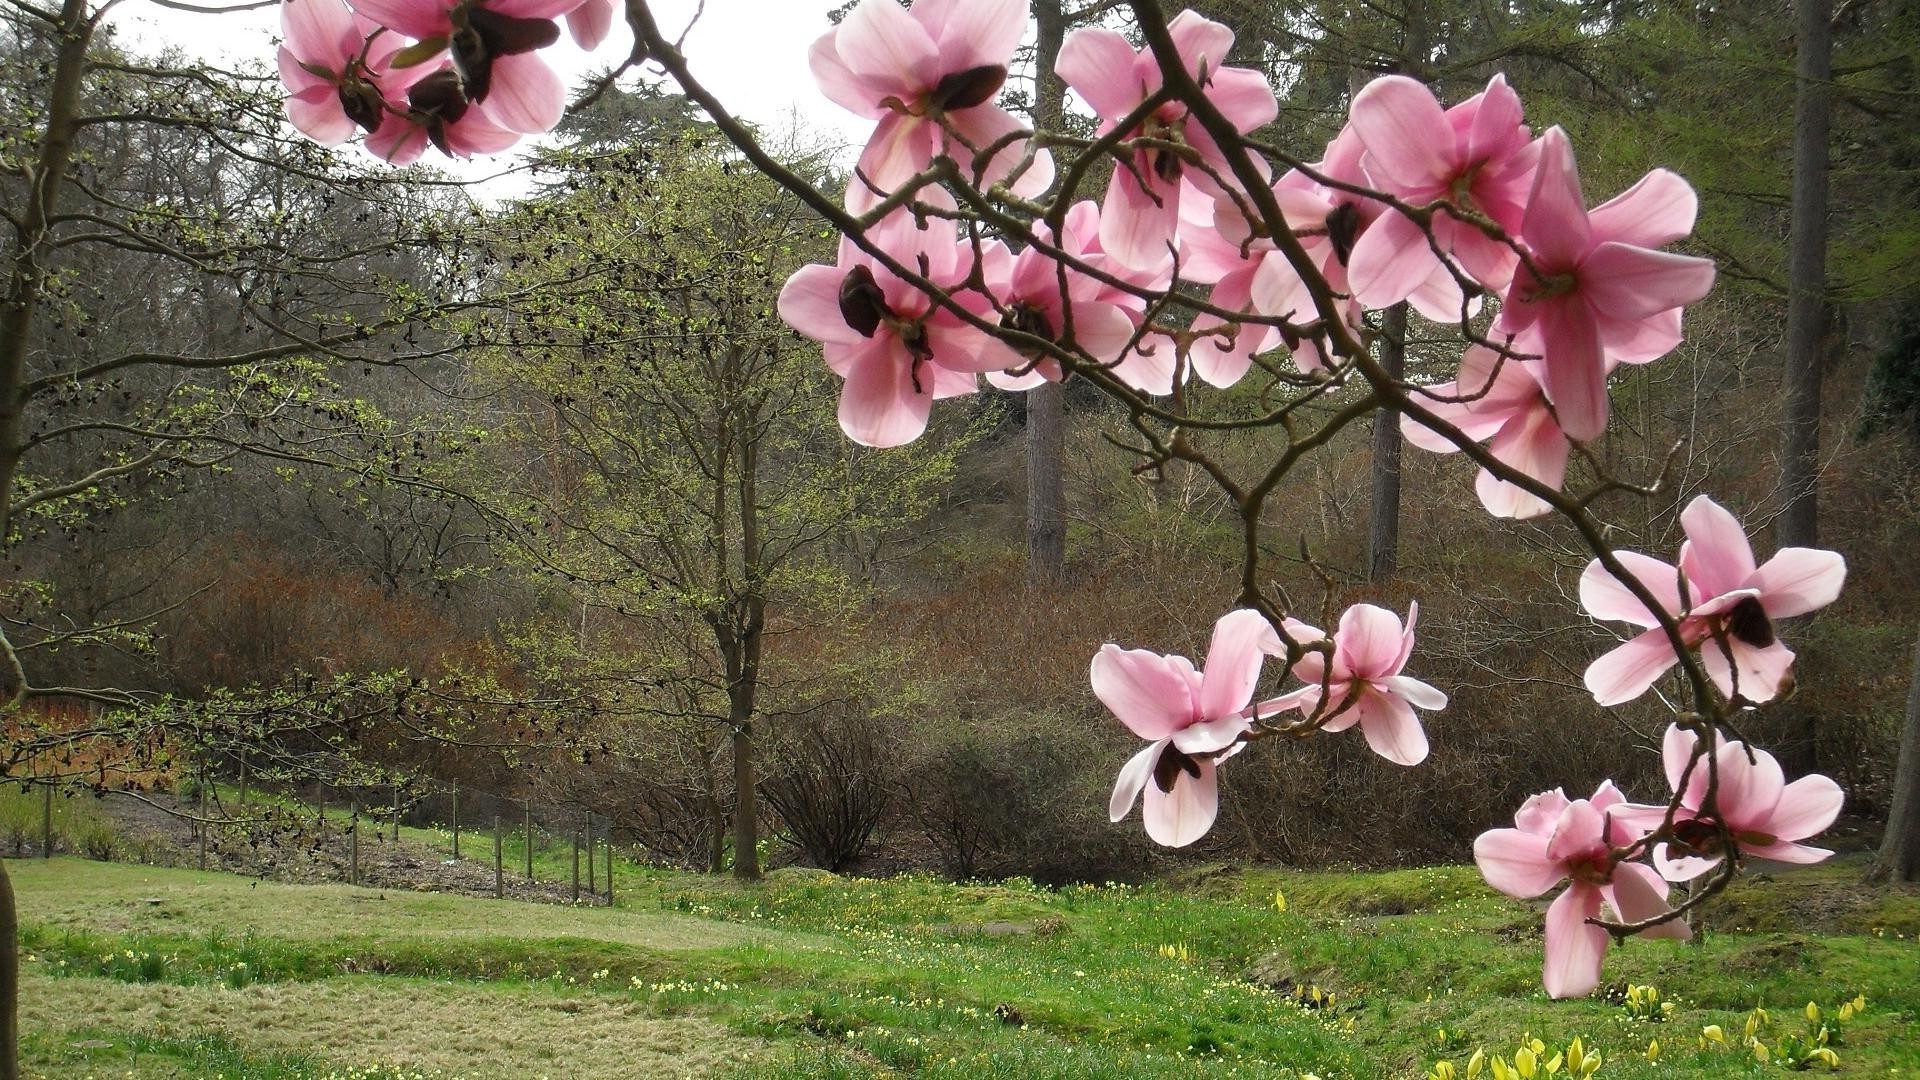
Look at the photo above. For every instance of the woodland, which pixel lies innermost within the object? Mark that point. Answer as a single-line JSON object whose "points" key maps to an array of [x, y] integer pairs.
{"points": [[334, 483]]}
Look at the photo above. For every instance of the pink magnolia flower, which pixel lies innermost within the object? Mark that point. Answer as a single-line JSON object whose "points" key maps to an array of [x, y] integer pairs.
{"points": [[1139, 219], [896, 348], [437, 114], [943, 61], [493, 46], [1501, 401], [1029, 286], [1596, 281], [1193, 718], [1574, 840], [1767, 815], [1478, 155], [1725, 606], [1363, 685], [334, 66]]}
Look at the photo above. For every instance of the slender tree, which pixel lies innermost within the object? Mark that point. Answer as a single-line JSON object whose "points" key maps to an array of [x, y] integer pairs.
{"points": [[1807, 308]]}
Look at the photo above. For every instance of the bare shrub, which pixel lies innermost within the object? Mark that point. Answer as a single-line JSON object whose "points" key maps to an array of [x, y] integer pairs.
{"points": [[831, 783]]}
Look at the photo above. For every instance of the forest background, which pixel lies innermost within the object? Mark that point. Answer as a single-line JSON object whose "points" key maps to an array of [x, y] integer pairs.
{"points": [[337, 477]]}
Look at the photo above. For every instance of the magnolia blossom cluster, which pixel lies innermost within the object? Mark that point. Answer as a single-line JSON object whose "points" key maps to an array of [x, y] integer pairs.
{"points": [[462, 75], [1461, 212], [1581, 841], [1197, 718]]}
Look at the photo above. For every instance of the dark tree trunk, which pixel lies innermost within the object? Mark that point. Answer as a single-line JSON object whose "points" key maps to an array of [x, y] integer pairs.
{"points": [[1383, 530], [746, 824], [1046, 403], [24, 289], [1807, 314], [1899, 857]]}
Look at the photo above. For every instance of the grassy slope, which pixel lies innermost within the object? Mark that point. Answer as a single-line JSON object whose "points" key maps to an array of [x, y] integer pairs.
{"points": [[816, 976]]}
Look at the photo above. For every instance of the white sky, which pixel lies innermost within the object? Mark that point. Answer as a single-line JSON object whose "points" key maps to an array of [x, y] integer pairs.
{"points": [[751, 53]]}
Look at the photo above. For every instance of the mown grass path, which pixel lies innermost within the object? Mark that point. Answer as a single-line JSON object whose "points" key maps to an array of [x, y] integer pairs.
{"points": [[809, 975]]}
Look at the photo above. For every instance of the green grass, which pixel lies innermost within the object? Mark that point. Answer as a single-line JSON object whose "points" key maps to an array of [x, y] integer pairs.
{"points": [[810, 975], [78, 826]]}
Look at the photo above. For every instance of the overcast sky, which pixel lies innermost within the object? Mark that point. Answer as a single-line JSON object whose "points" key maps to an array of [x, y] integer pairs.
{"points": [[751, 53]]}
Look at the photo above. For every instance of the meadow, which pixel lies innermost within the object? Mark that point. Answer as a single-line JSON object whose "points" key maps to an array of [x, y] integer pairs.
{"points": [[147, 972]]}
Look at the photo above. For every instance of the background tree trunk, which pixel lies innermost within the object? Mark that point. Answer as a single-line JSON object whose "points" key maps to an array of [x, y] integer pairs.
{"points": [[1383, 529], [1046, 403], [1806, 281], [1899, 857]]}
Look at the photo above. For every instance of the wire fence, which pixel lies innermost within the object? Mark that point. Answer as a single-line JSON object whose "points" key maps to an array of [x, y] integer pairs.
{"points": [[408, 834]]}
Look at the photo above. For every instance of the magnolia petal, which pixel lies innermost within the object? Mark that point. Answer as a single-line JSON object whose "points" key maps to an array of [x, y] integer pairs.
{"points": [[1754, 674], [1653, 213], [1243, 96], [1397, 120], [1241, 639], [590, 23], [1627, 671], [1748, 789], [1604, 597], [1096, 63], [1145, 690], [1575, 369], [880, 405], [526, 95], [1798, 580], [1681, 868], [810, 303], [973, 33], [1676, 751], [1368, 641], [1515, 862], [1575, 948], [323, 121], [1628, 282], [1133, 777], [1136, 227], [1535, 446], [886, 47], [1416, 693], [1179, 817], [1391, 728], [1391, 259], [1787, 852], [1639, 893], [1807, 807], [838, 82], [1556, 226], [414, 18], [1200, 41]]}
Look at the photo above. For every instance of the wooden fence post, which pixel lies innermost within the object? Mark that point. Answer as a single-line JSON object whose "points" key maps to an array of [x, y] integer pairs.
{"points": [[353, 845], [396, 813], [456, 826], [499, 864], [529, 812], [46, 822], [592, 858], [576, 866], [607, 829]]}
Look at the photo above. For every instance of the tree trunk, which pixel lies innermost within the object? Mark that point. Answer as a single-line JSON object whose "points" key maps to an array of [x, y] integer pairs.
{"points": [[1383, 530], [9, 979], [24, 287], [1806, 281], [746, 825], [1899, 857], [1046, 403]]}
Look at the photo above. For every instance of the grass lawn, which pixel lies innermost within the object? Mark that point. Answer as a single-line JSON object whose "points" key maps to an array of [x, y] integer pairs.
{"points": [[147, 972]]}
